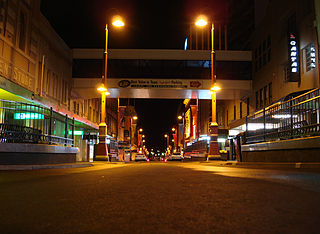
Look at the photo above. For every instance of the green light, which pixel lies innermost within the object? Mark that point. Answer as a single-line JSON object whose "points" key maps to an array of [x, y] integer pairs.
{"points": [[75, 133], [27, 115]]}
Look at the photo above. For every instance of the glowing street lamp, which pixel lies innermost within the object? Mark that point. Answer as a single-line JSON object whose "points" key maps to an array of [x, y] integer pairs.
{"points": [[213, 126], [102, 149], [135, 117], [167, 136], [201, 21]]}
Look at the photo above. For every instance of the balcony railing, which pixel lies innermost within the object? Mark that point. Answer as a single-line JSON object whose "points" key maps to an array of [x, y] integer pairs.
{"points": [[29, 123], [295, 118]]}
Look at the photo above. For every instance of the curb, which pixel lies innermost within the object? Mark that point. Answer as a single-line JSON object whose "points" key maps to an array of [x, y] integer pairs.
{"points": [[295, 165], [46, 166]]}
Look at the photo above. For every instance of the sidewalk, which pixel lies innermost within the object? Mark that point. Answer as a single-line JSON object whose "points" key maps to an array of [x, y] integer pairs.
{"points": [[57, 166], [308, 165], [44, 166]]}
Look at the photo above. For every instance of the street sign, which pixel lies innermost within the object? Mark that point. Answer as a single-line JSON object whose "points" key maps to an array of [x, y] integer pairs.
{"points": [[156, 84]]}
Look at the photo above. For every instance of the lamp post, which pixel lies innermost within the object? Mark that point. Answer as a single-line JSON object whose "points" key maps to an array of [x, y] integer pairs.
{"points": [[167, 136], [180, 117], [102, 149], [213, 126], [175, 138]]}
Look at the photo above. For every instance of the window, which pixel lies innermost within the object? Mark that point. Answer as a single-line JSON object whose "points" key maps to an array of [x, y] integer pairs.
{"points": [[269, 47], [260, 57], [255, 60], [265, 96], [257, 100], [240, 110], [260, 98], [264, 56], [227, 117], [270, 92], [22, 31], [248, 105], [234, 112]]}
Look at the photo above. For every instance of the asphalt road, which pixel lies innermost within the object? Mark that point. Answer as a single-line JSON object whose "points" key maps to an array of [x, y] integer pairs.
{"points": [[159, 197]]}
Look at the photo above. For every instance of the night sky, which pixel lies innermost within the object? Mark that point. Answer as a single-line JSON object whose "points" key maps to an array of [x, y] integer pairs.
{"points": [[152, 24]]}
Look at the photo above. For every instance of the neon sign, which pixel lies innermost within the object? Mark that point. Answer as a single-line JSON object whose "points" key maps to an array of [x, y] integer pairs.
{"points": [[75, 133], [293, 54], [27, 116], [311, 57]]}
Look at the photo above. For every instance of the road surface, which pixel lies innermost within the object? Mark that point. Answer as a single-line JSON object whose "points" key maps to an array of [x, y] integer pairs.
{"points": [[157, 197]]}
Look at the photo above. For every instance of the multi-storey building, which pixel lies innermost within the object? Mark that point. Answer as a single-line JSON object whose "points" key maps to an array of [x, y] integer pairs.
{"points": [[36, 68]]}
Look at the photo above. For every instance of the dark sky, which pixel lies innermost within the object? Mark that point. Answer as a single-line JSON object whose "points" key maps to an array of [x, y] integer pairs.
{"points": [[152, 24]]}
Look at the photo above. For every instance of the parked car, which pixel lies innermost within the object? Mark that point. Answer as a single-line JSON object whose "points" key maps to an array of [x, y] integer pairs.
{"points": [[176, 156], [141, 157]]}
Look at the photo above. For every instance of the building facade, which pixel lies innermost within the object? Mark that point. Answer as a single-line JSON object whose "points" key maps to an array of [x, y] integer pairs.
{"points": [[36, 68]]}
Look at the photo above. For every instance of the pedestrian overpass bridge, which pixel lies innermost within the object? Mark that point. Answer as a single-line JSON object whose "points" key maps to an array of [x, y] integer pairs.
{"points": [[165, 74]]}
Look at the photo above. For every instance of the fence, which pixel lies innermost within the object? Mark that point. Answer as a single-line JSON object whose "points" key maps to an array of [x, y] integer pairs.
{"points": [[28, 123], [297, 117]]}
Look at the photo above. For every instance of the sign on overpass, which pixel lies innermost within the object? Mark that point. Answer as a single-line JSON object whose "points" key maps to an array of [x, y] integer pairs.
{"points": [[161, 88], [160, 84]]}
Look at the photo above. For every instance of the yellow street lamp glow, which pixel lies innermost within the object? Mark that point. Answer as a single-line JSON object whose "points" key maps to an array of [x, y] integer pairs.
{"points": [[172, 140], [143, 136], [107, 93], [143, 141], [102, 89], [215, 88], [201, 21], [180, 117], [117, 21], [140, 130], [135, 117], [165, 135], [173, 129]]}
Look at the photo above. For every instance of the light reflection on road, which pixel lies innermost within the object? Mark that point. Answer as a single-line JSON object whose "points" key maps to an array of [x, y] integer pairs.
{"points": [[310, 181]]}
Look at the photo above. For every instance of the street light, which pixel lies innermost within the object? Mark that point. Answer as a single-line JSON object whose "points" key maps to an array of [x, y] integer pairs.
{"points": [[176, 136], [167, 136], [213, 126], [181, 126], [102, 149]]}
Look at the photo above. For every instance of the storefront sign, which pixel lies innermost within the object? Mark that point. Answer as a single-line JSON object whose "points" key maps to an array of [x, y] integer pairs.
{"points": [[27, 116], [311, 57], [187, 123], [16, 75], [157, 84], [293, 54]]}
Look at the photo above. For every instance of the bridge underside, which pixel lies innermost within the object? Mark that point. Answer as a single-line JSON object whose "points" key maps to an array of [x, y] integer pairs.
{"points": [[162, 89]]}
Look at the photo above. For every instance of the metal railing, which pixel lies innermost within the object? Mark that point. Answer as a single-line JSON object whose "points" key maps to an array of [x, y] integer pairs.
{"points": [[297, 117], [29, 123]]}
